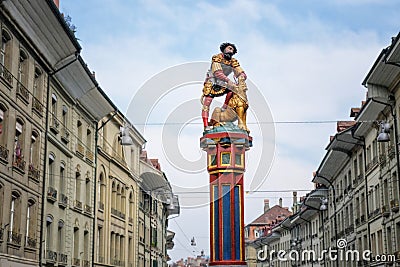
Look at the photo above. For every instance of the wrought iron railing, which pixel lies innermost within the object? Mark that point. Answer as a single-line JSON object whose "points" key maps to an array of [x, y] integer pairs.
{"points": [[33, 173], [87, 209], [101, 206], [6, 74], [78, 204], [37, 105], [19, 163], [51, 194], [51, 255], [117, 213], [394, 205], [85, 263], [62, 259], [63, 202], [76, 262], [30, 242], [22, 92], [4, 153], [14, 238]]}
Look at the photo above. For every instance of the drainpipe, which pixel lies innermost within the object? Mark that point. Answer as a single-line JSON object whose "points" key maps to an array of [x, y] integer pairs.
{"points": [[49, 75]]}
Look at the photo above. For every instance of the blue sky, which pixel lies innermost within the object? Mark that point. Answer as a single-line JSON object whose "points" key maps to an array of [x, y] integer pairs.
{"points": [[307, 58]]}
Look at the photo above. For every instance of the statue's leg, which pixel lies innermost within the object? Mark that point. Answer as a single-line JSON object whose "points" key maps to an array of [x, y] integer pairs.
{"points": [[206, 109], [227, 98]]}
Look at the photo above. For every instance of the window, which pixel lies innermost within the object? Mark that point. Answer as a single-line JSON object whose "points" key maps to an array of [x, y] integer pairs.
{"points": [[86, 245], [49, 232], [15, 214], [79, 125], [123, 201], [38, 84], [113, 196], [78, 186], [30, 220], [34, 151], [88, 139], [60, 236], [102, 188], [19, 145], [3, 131], [118, 203], [87, 188], [76, 243], [62, 178], [54, 105], [51, 169], [5, 61], [22, 68], [65, 116], [131, 206]]}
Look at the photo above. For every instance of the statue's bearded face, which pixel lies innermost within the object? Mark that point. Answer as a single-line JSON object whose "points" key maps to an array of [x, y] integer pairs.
{"points": [[228, 52]]}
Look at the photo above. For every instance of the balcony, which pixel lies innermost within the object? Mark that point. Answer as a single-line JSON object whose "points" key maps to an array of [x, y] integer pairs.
{"points": [[101, 259], [85, 263], [65, 135], [101, 205], [394, 205], [362, 220], [54, 125], [51, 194], [349, 229], [62, 259], [30, 242], [118, 213], [19, 164], [78, 205], [89, 156], [33, 173], [374, 213], [80, 150], [130, 220], [63, 201], [76, 262], [51, 256], [87, 209], [385, 211], [6, 75], [3, 153], [37, 106], [22, 92], [14, 238]]}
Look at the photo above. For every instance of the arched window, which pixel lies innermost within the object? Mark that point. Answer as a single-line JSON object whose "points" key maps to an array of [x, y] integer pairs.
{"points": [[76, 243], [51, 172], [38, 84], [15, 217], [62, 177], [86, 245], [22, 75], [34, 156], [60, 236], [131, 207], [87, 188], [3, 132], [5, 56], [123, 201], [31, 222], [102, 192], [118, 204], [78, 185], [114, 196], [79, 126], [18, 160], [49, 232]]}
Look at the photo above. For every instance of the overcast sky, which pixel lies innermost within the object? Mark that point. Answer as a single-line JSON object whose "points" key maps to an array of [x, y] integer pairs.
{"points": [[307, 59]]}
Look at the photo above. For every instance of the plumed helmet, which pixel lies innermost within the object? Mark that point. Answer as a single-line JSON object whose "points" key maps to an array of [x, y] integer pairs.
{"points": [[224, 45]]}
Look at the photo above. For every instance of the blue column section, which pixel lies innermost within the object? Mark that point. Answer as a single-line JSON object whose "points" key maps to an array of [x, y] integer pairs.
{"points": [[237, 222], [226, 222], [216, 222]]}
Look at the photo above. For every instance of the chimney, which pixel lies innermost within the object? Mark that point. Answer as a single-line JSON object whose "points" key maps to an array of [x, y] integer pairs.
{"points": [[280, 202], [294, 201], [266, 205], [57, 2]]}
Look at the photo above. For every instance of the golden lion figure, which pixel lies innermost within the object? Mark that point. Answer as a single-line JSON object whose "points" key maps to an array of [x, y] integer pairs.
{"points": [[236, 110]]}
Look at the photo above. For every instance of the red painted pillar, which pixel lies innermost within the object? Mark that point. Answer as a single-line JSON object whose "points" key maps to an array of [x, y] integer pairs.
{"points": [[226, 166]]}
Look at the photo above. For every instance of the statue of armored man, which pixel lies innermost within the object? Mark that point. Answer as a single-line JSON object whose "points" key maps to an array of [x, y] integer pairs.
{"points": [[218, 83]]}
